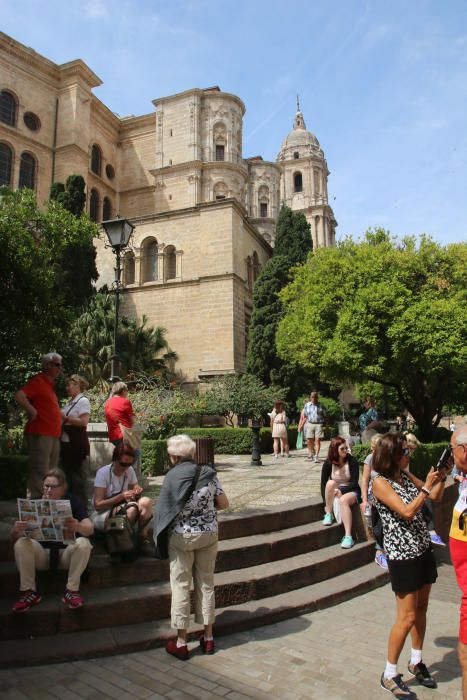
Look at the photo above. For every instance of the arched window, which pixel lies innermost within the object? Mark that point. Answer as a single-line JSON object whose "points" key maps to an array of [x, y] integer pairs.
{"points": [[249, 272], [6, 160], [170, 263], [298, 182], [106, 209], [27, 171], [7, 108], [263, 198], [129, 268], [256, 266], [150, 260], [220, 139], [94, 205], [96, 159], [296, 155]]}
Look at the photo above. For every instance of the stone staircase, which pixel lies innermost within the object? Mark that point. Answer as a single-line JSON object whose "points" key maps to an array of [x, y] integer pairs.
{"points": [[271, 565]]}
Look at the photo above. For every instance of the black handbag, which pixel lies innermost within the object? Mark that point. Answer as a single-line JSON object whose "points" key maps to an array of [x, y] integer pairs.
{"points": [[162, 544]]}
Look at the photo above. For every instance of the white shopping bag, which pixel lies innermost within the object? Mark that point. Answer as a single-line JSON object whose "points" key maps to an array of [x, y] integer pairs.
{"points": [[337, 511]]}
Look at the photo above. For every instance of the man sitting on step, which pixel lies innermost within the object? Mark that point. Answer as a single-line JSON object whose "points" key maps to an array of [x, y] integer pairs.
{"points": [[32, 555]]}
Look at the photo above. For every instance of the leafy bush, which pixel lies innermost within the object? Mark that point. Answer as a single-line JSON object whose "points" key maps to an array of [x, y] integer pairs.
{"points": [[13, 475], [154, 457], [12, 440]]}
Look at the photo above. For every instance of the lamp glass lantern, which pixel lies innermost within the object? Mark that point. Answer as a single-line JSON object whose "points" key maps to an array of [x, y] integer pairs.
{"points": [[118, 232]]}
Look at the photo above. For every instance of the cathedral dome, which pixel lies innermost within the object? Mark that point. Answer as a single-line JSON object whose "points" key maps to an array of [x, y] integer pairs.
{"points": [[299, 141]]}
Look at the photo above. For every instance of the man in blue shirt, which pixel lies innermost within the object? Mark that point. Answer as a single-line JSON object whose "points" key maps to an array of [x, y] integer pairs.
{"points": [[316, 415], [368, 420]]}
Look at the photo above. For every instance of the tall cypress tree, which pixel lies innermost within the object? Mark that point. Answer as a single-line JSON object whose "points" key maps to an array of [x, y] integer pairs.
{"points": [[292, 245]]}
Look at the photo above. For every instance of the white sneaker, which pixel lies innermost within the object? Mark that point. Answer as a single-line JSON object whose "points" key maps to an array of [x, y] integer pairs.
{"points": [[316, 458]]}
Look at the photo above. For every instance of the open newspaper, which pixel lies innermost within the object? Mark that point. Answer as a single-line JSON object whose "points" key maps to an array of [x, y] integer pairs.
{"points": [[46, 519]]}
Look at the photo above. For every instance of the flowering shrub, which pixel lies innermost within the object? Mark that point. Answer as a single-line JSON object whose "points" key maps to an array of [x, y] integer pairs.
{"points": [[160, 410]]}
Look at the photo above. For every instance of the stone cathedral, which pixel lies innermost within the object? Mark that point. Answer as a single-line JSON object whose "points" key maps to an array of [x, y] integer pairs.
{"points": [[204, 214]]}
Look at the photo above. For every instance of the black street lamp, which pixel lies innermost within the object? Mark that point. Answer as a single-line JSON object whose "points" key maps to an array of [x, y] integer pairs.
{"points": [[255, 451], [119, 233]]}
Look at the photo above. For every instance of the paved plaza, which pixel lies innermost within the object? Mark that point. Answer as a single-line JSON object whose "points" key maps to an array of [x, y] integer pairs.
{"points": [[333, 654]]}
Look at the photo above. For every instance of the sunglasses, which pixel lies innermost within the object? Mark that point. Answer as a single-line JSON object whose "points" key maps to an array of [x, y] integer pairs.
{"points": [[125, 465], [56, 364]]}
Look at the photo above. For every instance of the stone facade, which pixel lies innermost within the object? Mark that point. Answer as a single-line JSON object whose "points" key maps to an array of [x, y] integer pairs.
{"points": [[204, 215]]}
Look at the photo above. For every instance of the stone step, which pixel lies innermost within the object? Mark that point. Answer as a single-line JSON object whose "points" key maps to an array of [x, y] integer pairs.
{"points": [[134, 604], [62, 646], [234, 525], [239, 552]]}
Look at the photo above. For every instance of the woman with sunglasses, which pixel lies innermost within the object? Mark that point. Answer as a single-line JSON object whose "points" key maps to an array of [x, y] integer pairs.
{"points": [[400, 497], [116, 486], [339, 479]]}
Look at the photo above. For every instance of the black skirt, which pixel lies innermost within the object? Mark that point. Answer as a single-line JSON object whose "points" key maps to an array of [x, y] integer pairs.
{"points": [[410, 575]]}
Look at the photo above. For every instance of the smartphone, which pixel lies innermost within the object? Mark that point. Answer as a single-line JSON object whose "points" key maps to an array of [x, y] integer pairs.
{"points": [[443, 461]]}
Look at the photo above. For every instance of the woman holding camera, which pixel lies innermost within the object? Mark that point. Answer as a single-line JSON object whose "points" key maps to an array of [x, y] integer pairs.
{"points": [[400, 497], [116, 488]]}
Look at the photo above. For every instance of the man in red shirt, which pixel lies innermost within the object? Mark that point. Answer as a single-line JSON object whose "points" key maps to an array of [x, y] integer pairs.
{"points": [[44, 425]]}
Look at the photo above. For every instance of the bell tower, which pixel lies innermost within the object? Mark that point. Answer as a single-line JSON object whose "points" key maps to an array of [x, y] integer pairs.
{"points": [[304, 181]]}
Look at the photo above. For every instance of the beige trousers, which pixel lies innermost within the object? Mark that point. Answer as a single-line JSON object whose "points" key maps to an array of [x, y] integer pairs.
{"points": [[192, 555], [43, 452], [30, 557]]}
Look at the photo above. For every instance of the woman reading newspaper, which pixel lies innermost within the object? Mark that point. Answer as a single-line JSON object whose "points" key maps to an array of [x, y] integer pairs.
{"points": [[51, 534]]}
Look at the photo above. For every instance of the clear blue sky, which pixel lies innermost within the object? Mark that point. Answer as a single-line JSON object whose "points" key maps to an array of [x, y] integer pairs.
{"points": [[383, 85]]}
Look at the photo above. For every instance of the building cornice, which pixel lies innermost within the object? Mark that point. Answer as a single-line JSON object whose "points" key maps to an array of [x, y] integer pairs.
{"points": [[214, 94]]}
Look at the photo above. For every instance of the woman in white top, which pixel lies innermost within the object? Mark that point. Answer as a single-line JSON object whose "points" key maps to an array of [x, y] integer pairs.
{"points": [[74, 445], [116, 485]]}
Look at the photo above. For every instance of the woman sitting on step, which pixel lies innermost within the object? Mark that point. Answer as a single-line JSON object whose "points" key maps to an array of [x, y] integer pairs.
{"points": [[186, 531], [116, 489], [339, 479]]}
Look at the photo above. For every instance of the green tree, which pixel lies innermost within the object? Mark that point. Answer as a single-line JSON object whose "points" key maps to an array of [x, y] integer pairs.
{"points": [[76, 270], [383, 310], [141, 348], [242, 395], [72, 196], [37, 308], [292, 245]]}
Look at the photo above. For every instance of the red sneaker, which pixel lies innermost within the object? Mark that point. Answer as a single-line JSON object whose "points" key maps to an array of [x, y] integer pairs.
{"points": [[180, 652], [72, 599], [27, 600], [207, 645]]}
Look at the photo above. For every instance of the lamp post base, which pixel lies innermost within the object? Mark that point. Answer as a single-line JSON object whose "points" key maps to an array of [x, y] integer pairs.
{"points": [[255, 452]]}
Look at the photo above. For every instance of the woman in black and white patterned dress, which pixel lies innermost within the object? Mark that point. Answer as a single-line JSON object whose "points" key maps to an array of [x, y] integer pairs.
{"points": [[412, 569]]}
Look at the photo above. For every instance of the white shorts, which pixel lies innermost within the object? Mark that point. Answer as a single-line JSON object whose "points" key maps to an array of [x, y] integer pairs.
{"points": [[314, 430]]}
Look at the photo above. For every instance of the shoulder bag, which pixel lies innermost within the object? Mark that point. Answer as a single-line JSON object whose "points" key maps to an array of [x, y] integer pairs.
{"points": [[162, 544]]}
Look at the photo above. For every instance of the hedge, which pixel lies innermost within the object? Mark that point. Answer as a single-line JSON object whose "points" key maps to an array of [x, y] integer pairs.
{"points": [[421, 461], [13, 475], [231, 441]]}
